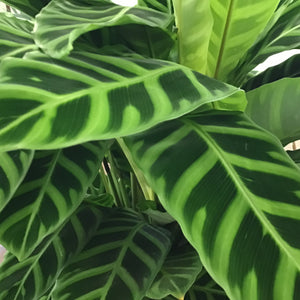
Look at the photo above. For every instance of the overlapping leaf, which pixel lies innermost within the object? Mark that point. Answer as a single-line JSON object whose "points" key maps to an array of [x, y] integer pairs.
{"points": [[236, 195], [160, 5], [13, 167], [30, 7], [119, 262], [289, 68], [32, 277], [276, 107], [194, 23], [284, 35], [228, 42], [15, 36], [177, 275], [88, 97], [61, 23], [52, 189]]}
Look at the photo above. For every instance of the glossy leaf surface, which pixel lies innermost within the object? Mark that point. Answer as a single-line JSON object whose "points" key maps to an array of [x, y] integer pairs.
{"points": [[276, 107], [228, 42], [89, 97], [234, 181], [119, 262], [51, 191], [61, 23]]}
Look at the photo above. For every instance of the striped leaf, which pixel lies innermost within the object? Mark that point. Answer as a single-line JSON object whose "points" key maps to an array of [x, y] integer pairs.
{"points": [[289, 68], [205, 288], [232, 35], [119, 262], [177, 275], [15, 36], [236, 195], [284, 35], [160, 5], [61, 23], [30, 7], [194, 22], [90, 97], [32, 277], [13, 167], [276, 107], [52, 189]]}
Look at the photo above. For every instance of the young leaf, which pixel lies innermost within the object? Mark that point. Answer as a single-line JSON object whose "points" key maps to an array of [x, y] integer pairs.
{"points": [[32, 277], [61, 23], [52, 189], [119, 262], [15, 36], [178, 273], [90, 97], [194, 23], [236, 195], [228, 42], [276, 107]]}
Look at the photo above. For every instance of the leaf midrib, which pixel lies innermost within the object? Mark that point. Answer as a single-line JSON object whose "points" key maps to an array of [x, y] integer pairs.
{"points": [[237, 180]]}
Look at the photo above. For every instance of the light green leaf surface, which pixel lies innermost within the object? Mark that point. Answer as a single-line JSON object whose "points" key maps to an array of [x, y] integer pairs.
{"points": [[15, 36], [32, 277], [276, 107], [119, 262], [13, 167], [178, 273], [52, 189], [59, 103], [289, 68], [236, 195], [30, 7], [61, 23], [284, 35], [232, 19], [194, 22]]}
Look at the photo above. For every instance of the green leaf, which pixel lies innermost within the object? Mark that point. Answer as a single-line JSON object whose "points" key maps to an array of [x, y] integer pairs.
{"points": [[32, 277], [194, 22], [236, 195], [30, 7], [53, 188], [15, 36], [61, 23], [283, 35], [231, 35], [13, 167], [289, 68], [205, 288], [119, 262], [160, 5], [177, 274], [295, 156], [276, 107], [90, 97]]}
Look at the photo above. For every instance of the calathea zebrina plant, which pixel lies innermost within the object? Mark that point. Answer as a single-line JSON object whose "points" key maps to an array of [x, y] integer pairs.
{"points": [[141, 157]]}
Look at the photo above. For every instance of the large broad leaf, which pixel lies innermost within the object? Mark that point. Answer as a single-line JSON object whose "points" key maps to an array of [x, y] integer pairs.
{"points": [[89, 97], [30, 7], [236, 195], [289, 68], [283, 35], [15, 36], [276, 107], [52, 189], [119, 262], [177, 275], [160, 5], [13, 167], [232, 34], [194, 23], [61, 23], [32, 277]]}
